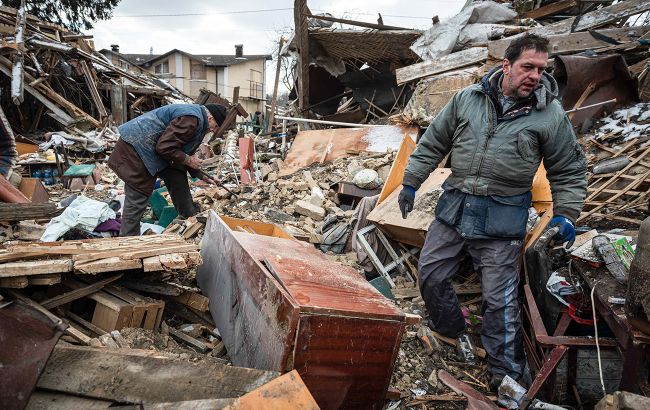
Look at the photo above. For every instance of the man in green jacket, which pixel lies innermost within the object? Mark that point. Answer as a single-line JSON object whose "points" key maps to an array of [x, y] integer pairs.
{"points": [[496, 134]]}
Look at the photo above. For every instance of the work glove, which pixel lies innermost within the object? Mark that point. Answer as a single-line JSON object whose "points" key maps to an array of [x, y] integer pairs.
{"points": [[567, 232], [406, 199]]}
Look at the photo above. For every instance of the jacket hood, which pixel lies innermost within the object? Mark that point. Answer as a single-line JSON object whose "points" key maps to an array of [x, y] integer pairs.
{"points": [[547, 90]]}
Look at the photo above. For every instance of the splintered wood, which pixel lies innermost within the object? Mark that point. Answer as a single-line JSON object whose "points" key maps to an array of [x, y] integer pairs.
{"points": [[153, 253]]}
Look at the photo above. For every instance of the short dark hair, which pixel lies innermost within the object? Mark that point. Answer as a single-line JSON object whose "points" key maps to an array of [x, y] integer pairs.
{"points": [[526, 42]]}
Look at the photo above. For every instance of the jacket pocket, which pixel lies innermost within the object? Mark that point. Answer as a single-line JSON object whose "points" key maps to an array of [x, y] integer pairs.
{"points": [[450, 205], [528, 147], [506, 216]]}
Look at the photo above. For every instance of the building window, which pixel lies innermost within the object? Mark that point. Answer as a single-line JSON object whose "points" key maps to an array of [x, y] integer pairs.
{"points": [[197, 70], [256, 84], [162, 68], [124, 65]]}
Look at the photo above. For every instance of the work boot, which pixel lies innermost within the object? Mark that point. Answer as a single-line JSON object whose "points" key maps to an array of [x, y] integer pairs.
{"points": [[465, 348], [495, 381], [524, 380]]}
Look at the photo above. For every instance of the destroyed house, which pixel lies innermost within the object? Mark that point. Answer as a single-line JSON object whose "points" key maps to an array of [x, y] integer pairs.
{"points": [[218, 73]]}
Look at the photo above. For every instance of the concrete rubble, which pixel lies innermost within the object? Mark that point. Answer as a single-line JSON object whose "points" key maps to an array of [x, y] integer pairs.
{"points": [[300, 237]]}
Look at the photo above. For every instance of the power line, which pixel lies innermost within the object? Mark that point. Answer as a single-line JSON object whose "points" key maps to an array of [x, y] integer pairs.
{"points": [[203, 14]]}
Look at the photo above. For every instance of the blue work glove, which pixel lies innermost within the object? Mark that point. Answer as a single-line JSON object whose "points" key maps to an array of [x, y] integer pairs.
{"points": [[406, 199], [567, 232]]}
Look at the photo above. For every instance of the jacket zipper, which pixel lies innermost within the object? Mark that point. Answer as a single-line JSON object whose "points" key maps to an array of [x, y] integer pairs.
{"points": [[491, 132]]}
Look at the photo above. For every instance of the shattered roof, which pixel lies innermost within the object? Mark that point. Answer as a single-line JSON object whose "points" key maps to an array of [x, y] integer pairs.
{"points": [[210, 60], [378, 45]]}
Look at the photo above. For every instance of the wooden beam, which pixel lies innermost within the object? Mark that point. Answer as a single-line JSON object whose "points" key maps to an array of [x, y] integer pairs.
{"points": [[35, 267], [193, 300], [113, 264], [274, 100], [75, 294], [118, 104], [550, 9], [596, 18], [196, 344], [573, 42], [144, 376], [61, 116], [449, 62], [302, 44], [356, 23], [20, 212], [45, 280], [92, 86]]}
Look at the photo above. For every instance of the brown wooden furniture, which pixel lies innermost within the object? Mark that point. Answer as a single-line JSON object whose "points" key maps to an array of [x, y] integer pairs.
{"points": [[280, 304]]}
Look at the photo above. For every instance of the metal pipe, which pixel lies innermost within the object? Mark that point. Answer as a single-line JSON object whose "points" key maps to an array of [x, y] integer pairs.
{"points": [[343, 124], [591, 106]]}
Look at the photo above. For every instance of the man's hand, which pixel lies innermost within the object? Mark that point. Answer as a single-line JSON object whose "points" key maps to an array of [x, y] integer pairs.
{"points": [[567, 232], [193, 161], [406, 199]]}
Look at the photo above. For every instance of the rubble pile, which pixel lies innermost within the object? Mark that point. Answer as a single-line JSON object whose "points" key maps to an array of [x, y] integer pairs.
{"points": [[299, 260]]}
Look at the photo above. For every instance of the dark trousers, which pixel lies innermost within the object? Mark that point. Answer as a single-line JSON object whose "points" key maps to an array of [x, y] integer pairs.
{"points": [[498, 261], [135, 202]]}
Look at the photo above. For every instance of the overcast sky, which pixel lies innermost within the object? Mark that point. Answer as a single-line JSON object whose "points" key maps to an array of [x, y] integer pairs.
{"points": [[214, 27]]}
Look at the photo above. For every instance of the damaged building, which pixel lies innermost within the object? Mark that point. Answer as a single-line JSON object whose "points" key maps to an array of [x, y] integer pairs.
{"points": [[296, 285]]}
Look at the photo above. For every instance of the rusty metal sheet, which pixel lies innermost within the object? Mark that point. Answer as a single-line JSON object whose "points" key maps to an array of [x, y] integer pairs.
{"points": [[27, 338], [256, 318], [475, 400], [609, 76], [310, 147]]}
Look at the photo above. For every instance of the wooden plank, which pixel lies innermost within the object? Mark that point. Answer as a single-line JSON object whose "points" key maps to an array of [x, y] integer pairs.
{"points": [[196, 344], [572, 42], [173, 261], [286, 392], [44, 400], [302, 45], [107, 265], [469, 56], [550, 9], [83, 322], [78, 292], [92, 86], [159, 251], [412, 230], [274, 99], [193, 300], [192, 230], [47, 280], [144, 376], [396, 173], [16, 282], [35, 267], [356, 23], [596, 18], [21, 212], [152, 264]]}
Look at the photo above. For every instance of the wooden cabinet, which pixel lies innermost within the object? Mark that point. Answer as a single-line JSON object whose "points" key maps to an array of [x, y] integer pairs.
{"points": [[280, 304]]}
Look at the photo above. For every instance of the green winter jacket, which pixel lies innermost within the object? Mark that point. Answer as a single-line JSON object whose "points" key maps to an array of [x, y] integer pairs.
{"points": [[496, 153]]}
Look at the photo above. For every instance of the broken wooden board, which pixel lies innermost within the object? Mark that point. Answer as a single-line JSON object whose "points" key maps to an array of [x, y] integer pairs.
{"points": [[29, 268], [573, 42], [550, 9], [310, 147], [21, 212], [194, 300], [396, 173], [45, 400], [45, 280], [412, 230], [432, 94], [453, 61], [286, 392], [14, 282], [593, 19], [107, 265], [144, 376]]}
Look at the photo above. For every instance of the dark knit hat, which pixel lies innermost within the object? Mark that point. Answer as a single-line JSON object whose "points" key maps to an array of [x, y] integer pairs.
{"points": [[218, 112]]}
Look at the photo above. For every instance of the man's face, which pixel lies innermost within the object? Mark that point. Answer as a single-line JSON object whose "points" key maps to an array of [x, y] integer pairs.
{"points": [[521, 78], [212, 123]]}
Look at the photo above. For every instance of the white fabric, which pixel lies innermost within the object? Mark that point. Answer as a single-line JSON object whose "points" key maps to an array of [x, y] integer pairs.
{"points": [[83, 213]]}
